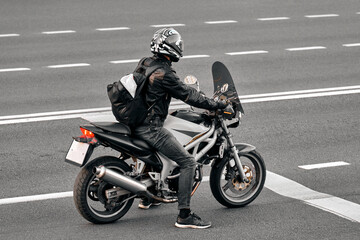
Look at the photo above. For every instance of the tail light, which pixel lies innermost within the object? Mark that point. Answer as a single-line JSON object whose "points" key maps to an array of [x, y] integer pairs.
{"points": [[87, 133], [87, 137]]}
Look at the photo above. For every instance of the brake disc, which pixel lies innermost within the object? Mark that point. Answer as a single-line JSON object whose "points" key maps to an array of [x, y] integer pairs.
{"points": [[238, 185]]}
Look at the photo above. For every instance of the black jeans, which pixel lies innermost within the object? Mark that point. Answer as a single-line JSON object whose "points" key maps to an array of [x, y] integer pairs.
{"points": [[162, 140]]}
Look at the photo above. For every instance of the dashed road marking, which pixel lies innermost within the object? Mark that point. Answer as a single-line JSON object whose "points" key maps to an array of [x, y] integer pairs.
{"points": [[273, 18], [221, 22], [69, 65], [324, 165], [168, 25], [246, 52], [322, 16], [32, 198], [9, 35], [14, 69], [305, 48], [351, 45], [178, 24], [196, 56], [58, 32], [112, 29], [125, 61]]}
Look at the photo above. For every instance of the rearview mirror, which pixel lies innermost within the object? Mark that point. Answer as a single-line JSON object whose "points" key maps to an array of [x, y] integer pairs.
{"points": [[192, 80], [224, 88]]}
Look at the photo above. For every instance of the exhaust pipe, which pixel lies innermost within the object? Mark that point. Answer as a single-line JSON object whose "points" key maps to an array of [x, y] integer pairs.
{"points": [[126, 183]]}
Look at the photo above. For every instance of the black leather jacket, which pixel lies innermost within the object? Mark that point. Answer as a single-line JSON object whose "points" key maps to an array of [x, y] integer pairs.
{"points": [[164, 84]]}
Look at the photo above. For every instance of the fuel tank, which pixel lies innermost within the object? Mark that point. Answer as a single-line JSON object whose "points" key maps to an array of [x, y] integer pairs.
{"points": [[184, 130]]}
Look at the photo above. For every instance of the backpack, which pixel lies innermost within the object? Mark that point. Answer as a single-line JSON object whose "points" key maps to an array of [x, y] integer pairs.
{"points": [[127, 97]]}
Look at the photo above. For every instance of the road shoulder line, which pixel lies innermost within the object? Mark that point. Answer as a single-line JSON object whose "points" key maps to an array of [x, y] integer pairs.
{"points": [[326, 202]]}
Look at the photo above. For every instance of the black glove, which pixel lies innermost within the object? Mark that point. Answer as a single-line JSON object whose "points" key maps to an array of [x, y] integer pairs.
{"points": [[222, 104]]}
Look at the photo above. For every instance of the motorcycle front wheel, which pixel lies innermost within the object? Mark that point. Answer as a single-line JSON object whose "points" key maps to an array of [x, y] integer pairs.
{"points": [[226, 185], [89, 193]]}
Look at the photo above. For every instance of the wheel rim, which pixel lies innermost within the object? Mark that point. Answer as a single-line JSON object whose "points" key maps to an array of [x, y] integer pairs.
{"points": [[232, 188], [95, 202]]}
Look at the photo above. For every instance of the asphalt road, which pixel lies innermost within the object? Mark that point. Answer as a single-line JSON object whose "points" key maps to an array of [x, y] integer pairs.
{"points": [[269, 47]]}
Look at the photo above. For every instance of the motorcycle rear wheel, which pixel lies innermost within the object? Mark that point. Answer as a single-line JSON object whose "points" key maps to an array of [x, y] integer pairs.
{"points": [[225, 182], [89, 192]]}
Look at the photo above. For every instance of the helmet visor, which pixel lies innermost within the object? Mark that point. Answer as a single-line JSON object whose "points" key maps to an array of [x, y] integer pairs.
{"points": [[176, 43]]}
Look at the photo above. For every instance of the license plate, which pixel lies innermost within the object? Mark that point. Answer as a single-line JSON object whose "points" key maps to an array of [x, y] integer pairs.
{"points": [[78, 153]]}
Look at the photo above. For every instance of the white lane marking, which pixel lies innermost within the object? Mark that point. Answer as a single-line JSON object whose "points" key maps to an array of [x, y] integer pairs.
{"points": [[69, 65], [318, 90], [41, 119], [324, 165], [32, 198], [276, 183], [273, 18], [58, 32], [113, 29], [125, 61], [14, 69], [9, 35], [196, 56], [85, 113], [168, 25], [185, 57], [326, 202], [300, 96], [305, 48], [351, 45], [50, 116], [246, 52], [46, 114], [322, 15], [221, 22]]}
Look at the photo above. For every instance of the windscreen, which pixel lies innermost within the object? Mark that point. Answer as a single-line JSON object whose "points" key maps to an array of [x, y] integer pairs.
{"points": [[224, 86]]}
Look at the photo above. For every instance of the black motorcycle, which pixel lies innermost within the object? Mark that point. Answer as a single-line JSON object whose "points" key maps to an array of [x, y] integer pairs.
{"points": [[106, 186]]}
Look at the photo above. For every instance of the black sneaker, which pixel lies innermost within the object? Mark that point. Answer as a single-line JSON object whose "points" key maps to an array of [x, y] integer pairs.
{"points": [[146, 204], [192, 221]]}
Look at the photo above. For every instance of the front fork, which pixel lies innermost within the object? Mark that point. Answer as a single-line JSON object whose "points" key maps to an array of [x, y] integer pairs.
{"points": [[234, 150]]}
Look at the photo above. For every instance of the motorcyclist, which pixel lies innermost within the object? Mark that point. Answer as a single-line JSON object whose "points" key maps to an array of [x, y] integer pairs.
{"points": [[164, 84]]}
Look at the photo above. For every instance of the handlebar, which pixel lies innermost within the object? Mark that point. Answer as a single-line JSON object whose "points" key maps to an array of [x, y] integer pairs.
{"points": [[227, 113]]}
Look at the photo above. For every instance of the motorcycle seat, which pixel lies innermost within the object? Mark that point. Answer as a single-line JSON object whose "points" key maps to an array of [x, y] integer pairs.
{"points": [[120, 128], [114, 127]]}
